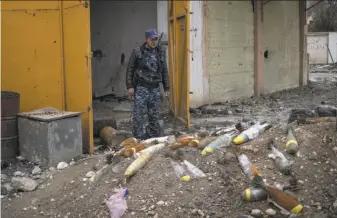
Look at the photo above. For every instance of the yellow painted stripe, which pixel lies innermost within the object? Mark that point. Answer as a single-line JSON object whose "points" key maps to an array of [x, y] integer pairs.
{"points": [[297, 209], [291, 142], [248, 194]]}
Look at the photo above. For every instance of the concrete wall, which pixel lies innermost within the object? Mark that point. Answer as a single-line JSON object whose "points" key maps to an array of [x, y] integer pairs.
{"points": [[281, 38], [318, 44], [198, 82], [230, 49], [317, 48], [116, 28]]}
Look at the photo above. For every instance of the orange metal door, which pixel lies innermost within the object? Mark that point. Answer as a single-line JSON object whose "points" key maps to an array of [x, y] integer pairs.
{"points": [[179, 33], [77, 64]]}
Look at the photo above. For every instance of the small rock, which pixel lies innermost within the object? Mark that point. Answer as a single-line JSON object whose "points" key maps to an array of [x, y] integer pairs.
{"points": [[201, 213], [84, 179], [152, 207], [24, 184], [117, 168], [256, 213], [133, 213], [52, 169], [160, 203], [7, 186], [19, 158], [90, 174], [194, 212], [18, 173], [334, 149], [62, 166], [155, 216], [37, 170], [72, 163], [271, 212]]}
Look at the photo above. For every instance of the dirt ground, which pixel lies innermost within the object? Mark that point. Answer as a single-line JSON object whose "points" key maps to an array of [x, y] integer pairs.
{"points": [[64, 193]]}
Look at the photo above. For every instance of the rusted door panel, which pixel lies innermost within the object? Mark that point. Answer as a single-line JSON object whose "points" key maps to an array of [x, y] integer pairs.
{"points": [[77, 64], [179, 33]]}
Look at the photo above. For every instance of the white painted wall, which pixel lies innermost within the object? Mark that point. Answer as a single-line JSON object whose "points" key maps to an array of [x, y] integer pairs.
{"points": [[116, 28], [317, 48], [197, 88], [318, 44]]}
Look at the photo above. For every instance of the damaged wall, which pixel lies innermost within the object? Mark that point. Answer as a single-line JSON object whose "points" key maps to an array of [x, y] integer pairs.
{"points": [[281, 39], [230, 49], [116, 28]]}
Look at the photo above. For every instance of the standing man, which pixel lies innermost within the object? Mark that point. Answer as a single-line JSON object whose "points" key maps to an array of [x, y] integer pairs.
{"points": [[146, 70]]}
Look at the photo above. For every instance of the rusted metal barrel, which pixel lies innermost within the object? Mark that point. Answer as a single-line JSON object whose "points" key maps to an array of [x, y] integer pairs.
{"points": [[10, 107]]}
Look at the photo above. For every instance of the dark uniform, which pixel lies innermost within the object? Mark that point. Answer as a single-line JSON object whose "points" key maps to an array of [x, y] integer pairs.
{"points": [[146, 70]]}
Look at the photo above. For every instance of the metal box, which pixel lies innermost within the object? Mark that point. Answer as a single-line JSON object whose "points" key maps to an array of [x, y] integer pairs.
{"points": [[49, 136]]}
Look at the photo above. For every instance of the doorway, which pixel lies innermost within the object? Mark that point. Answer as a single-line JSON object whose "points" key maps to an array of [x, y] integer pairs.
{"points": [[117, 27]]}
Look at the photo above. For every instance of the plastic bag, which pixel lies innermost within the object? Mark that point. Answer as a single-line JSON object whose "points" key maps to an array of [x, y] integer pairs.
{"points": [[117, 203]]}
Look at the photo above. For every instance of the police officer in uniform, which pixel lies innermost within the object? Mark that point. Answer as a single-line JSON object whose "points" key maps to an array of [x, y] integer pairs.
{"points": [[146, 70]]}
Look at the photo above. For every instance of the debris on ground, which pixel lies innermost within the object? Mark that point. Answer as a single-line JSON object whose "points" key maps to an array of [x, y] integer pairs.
{"points": [[227, 182], [62, 166], [117, 203]]}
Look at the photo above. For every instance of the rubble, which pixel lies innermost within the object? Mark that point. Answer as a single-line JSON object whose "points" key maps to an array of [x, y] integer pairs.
{"points": [[18, 173], [37, 170], [24, 184], [271, 212], [155, 190], [62, 166], [256, 213]]}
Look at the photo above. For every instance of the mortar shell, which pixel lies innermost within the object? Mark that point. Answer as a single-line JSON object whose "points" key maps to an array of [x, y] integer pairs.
{"points": [[291, 145], [254, 194], [204, 142]]}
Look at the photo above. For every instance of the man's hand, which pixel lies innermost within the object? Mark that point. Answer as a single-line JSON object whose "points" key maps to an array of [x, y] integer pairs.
{"points": [[167, 94], [131, 92]]}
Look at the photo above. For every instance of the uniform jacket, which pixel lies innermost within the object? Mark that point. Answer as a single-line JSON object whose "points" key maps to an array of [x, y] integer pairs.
{"points": [[135, 75]]}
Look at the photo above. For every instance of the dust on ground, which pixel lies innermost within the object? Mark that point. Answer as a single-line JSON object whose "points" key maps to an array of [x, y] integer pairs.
{"points": [[64, 193]]}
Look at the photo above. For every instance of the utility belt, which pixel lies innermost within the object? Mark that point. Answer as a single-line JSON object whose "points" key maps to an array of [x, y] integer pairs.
{"points": [[147, 81]]}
